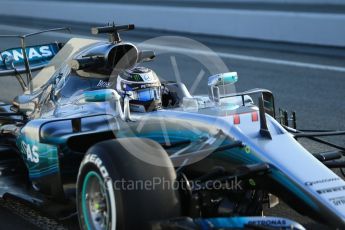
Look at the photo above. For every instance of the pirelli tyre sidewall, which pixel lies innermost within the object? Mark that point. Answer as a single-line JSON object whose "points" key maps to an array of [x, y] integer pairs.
{"points": [[108, 162]]}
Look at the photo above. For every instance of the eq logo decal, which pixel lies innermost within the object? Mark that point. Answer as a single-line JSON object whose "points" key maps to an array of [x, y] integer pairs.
{"points": [[31, 152]]}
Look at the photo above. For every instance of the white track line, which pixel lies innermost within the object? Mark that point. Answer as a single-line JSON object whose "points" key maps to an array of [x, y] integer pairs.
{"points": [[254, 59], [283, 62], [220, 54]]}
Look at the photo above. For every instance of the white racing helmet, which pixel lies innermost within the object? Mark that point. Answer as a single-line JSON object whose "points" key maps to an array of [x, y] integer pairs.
{"points": [[144, 87]]}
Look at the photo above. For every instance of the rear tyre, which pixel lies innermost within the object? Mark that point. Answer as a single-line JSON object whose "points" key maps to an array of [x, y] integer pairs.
{"points": [[110, 192]]}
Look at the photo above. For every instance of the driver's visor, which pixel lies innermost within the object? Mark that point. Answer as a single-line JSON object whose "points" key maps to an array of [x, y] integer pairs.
{"points": [[147, 94]]}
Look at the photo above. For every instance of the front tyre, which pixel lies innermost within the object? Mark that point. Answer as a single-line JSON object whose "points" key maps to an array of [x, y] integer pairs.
{"points": [[103, 205], [96, 202]]}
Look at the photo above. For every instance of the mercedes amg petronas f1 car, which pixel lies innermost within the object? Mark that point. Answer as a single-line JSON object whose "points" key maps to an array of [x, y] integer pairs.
{"points": [[73, 142]]}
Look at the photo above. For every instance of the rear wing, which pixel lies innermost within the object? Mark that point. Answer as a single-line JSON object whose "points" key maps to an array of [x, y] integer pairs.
{"points": [[38, 56]]}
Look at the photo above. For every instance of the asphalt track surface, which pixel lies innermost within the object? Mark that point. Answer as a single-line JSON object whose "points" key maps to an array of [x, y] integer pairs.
{"points": [[299, 77], [247, 5]]}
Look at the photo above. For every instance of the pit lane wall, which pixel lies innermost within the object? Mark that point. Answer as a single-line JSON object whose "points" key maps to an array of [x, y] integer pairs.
{"points": [[315, 28]]}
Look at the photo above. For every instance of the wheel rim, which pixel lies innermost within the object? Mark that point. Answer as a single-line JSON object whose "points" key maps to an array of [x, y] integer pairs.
{"points": [[95, 202]]}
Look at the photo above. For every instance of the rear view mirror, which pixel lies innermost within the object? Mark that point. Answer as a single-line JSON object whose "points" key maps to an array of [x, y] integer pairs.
{"points": [[223, 79], [217, 85]]}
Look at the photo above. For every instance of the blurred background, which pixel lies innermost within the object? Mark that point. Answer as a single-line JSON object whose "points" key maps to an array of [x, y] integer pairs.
{"points": [[315, 22]]}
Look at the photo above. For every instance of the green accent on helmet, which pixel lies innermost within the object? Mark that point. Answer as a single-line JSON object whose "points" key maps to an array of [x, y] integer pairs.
{"points": [[137, 77]]}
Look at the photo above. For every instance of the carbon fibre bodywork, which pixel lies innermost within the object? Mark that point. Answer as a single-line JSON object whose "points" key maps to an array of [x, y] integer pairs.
{"points": [[66, 120]]}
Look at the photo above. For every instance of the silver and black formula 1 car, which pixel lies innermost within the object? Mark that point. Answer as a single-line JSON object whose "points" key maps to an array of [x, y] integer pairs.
{"points": [[72, 143]]}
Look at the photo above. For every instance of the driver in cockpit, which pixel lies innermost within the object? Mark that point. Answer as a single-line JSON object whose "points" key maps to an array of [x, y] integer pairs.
{"points": [[144, 88]]}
